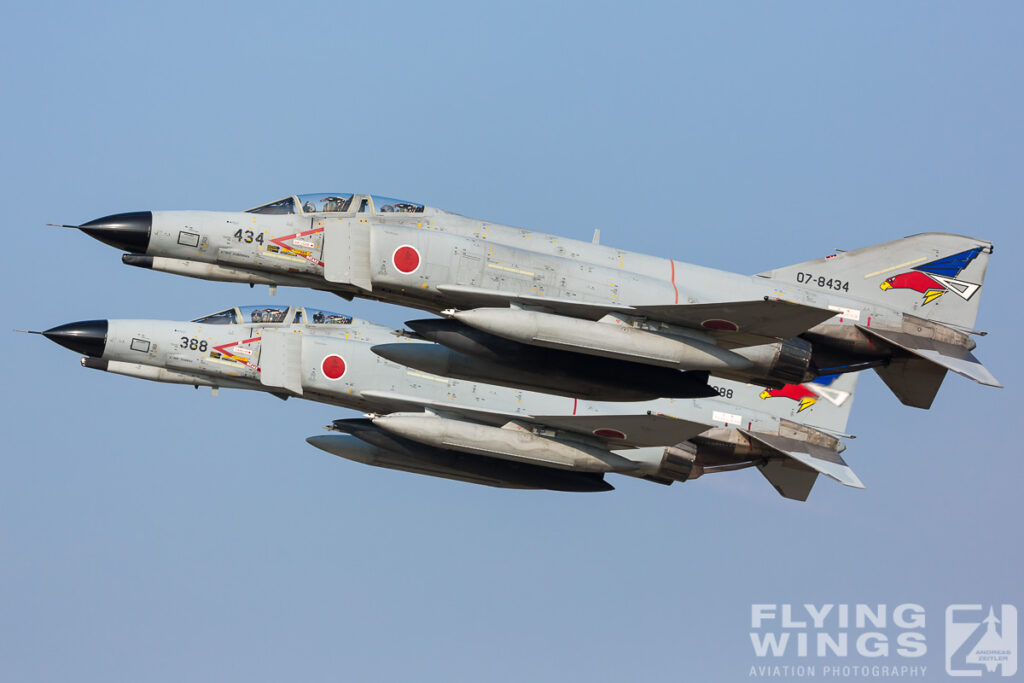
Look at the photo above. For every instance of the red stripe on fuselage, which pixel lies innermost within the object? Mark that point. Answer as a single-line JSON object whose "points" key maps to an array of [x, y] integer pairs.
{"points": [[279, 241], [222, 349], [674, 288]]}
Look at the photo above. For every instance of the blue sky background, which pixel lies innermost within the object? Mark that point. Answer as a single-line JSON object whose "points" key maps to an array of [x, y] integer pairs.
{"points": [[155, 533]]}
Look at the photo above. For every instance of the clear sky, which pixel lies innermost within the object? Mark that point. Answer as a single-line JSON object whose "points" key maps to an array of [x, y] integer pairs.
{"points": [[154, 533]]}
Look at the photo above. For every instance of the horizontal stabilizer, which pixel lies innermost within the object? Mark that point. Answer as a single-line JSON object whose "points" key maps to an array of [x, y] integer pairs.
{"points": [[791, 479], [914, 380], [949, 356], [818, 458], [743, 323]]}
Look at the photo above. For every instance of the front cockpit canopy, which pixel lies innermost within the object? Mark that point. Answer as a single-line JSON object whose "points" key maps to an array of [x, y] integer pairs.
{"points": [[337, 202], [264, 315]]}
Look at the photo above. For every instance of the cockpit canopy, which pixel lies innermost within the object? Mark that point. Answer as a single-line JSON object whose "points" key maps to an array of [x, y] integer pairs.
{"points": [[262, 315], [338, 202]]}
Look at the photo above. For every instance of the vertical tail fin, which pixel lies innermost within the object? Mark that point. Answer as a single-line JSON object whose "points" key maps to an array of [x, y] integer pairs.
{"points": [[824, 403], [936, 276]]}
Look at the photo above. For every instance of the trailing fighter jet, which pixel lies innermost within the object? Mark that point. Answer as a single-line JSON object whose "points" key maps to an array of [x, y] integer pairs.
{"points": [[469, 431], [906, 308]]}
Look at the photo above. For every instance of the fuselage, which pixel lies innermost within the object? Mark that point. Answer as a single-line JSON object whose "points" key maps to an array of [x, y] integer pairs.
{"points": [[434, 260], [420, 421], [338, 367]]}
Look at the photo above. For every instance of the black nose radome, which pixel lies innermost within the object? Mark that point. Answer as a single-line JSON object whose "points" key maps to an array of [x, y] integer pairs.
{"points": [[127, 231], [88, 337]]}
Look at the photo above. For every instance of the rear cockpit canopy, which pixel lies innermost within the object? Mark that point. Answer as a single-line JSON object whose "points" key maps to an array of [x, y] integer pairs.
{"points": [[338, 202], [264, 315]]}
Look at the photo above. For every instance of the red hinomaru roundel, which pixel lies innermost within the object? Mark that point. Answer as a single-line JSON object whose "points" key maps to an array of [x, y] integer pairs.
{"points": [[406, 259], [333, 367]]}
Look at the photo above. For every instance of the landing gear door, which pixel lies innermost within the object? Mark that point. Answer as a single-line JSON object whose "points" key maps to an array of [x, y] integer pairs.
{"points": [[346, 252]]}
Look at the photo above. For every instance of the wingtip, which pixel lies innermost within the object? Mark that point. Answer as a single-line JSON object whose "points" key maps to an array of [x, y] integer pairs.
{"points": [[853, 482]]}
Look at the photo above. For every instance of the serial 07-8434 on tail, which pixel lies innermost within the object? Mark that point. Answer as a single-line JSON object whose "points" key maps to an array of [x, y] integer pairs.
{"points": [[485, 434], [906, 308]]}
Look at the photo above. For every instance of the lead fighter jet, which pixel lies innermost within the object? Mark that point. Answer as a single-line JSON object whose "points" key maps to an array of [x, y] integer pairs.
{"points": [[511, 297], [469, 431]]}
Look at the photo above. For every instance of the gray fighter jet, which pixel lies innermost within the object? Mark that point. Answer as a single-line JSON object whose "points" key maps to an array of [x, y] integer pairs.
{"points": [[476, 432], [906, 308]]}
